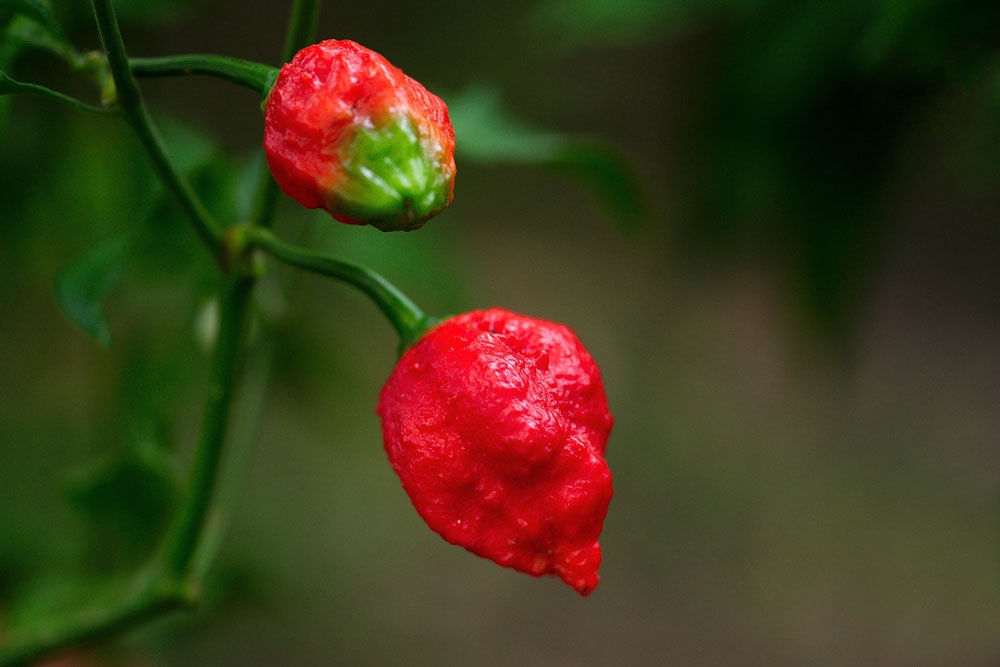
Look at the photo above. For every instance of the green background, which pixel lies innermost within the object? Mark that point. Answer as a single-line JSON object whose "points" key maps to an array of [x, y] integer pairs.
{"points": [[798, 322]]}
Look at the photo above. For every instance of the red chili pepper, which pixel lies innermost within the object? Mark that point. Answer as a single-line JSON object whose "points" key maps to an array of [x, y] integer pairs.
{"points": [[496, 424], [346, 131]]}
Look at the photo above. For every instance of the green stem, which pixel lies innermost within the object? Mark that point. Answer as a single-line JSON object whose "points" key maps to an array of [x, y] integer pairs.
{"points": [[130, 99], [191, 541], [114, 47], [266, 196], [255, 76], [301, 27], [173, 580], [123, 609], [183, 537], [406, 317]]}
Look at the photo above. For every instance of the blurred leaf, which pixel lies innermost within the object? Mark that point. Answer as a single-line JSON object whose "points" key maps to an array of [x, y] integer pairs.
{"points": [[894, 22], [802, 128], [82, 285], [49, 596], [126, 499], [574, 24], [609, 177], [14, 37], [489, 133], [24, 32], [38, 10], [806, 108], [38, 29], [191, 148], [578, 22]]}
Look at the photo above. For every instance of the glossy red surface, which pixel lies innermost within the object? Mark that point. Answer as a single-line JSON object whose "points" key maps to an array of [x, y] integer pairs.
{"points": [[497, 424]]}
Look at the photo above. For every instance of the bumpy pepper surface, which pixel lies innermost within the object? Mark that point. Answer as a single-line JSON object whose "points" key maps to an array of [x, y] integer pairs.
{"points": [[496, 424], [346, 131]]}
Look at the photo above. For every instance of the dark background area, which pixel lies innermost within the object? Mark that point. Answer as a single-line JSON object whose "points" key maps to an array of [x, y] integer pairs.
{"points": [[798, 324]]}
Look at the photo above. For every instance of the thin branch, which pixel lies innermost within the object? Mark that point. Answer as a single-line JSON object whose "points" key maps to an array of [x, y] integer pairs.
{"points": [[127, 92], [255, 76], [106, 617], [173, 579], [301, 27], [9, 86], [183, 536], [406, 317]]}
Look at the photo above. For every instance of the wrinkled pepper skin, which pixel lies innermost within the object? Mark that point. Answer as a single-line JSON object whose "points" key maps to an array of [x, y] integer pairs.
{"points": [[496, 424], [346, 131]]}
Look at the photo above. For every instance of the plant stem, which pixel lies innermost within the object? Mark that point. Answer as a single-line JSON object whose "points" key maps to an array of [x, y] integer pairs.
{"points": [[10, 86], [103, 619], [135, 111], [255, 76], [406, 317], [182, 539], [301, 27], [188, 542], [173, 580]]}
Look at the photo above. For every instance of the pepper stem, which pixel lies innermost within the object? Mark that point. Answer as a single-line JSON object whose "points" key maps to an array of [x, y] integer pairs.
{"points": [[409, 321], [255, 76]]}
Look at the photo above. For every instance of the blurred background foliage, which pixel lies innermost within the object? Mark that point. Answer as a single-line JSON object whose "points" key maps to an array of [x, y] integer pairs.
{"points": [[774, 223]]}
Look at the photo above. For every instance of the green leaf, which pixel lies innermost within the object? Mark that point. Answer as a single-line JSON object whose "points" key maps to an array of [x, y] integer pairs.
{"points": [[34, 30], [41, 599], [192, 148], [488, 133], [82, 286], [127, 498], [609, 177], [578, 24], [37, 10], [572, 23]]}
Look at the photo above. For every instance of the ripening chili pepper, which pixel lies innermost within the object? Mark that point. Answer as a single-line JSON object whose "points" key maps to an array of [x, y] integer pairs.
{"points": [[496, 424], [346, 131]]}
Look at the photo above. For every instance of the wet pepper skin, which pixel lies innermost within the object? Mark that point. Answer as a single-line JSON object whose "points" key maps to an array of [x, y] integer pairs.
{"points": [[346, 131], [497, 424]]}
